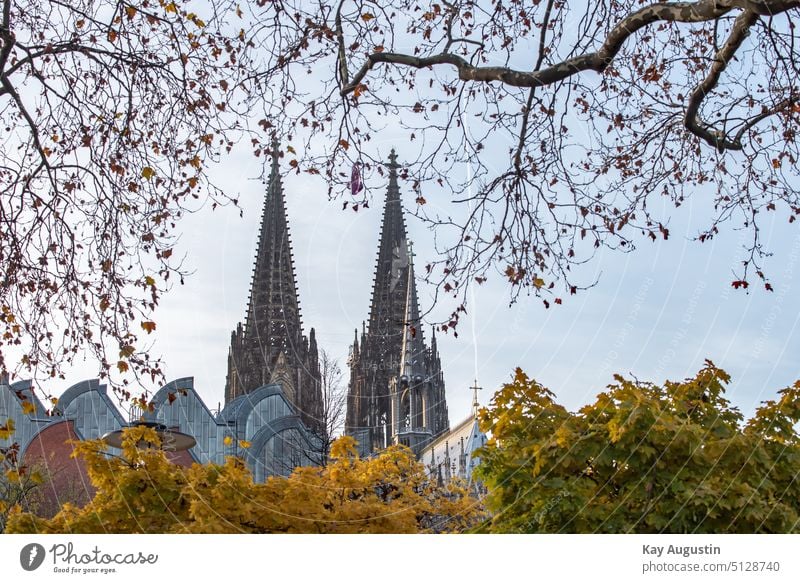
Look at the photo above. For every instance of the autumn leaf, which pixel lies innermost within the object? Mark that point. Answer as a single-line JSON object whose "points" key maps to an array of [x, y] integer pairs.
{"points": [[244, 444], [148, 172], [28, 407], [366, 17], [7, 429], [344, 144], [227, 440], [122, 366], [148, 327]]}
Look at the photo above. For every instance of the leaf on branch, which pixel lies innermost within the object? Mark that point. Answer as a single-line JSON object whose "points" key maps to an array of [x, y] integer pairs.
{"points": [[148, 327], [366, 17], [28, 408], [148, 172]]}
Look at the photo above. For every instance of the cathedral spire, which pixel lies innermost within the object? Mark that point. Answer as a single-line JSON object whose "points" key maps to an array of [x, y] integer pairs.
{"points": [[394, 343], [270, 347]]}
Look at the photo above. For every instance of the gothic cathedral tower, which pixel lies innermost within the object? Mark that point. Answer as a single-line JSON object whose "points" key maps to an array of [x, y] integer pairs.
{"points": [[271, 347], [396, 392]]}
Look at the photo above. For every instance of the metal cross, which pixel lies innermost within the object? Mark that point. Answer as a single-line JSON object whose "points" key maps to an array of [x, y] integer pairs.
{"points": [[475, 405]]}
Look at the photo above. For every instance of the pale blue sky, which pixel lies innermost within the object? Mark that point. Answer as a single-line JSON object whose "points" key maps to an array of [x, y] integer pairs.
{"points": [[657, 312]]}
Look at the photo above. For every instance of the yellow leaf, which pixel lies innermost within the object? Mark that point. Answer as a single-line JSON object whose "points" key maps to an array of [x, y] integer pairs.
{"points": [[227, 440], [149, 280], [290, 150], [244, 444], [538, 282], [7, 429], [148, 172], [171, 8], [28, 407]]}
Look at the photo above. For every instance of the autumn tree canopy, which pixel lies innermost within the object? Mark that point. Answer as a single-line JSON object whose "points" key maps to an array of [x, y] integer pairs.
{"points": [[110, 114], [556, 128], [142, 492], [643, 458]]}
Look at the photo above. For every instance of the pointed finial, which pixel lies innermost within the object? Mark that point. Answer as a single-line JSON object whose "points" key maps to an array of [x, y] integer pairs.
{"points": [[392, 160]]}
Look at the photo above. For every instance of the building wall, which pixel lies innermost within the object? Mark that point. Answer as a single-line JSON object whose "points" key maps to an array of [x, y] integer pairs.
{"points": [[65, 477]]}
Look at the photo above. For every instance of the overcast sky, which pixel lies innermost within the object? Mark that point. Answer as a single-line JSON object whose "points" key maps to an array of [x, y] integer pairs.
{"points": [[656, 313]]}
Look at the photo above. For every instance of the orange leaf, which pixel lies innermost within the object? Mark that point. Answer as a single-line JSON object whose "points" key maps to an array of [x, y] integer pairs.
{"points": [[148, 326]]}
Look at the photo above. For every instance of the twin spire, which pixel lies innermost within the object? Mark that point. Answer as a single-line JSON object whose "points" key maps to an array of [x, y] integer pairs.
{"points": [[271, 347]]}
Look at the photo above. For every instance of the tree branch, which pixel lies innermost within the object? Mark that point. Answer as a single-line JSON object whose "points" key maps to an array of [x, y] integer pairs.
{"points": [[692, 121]]}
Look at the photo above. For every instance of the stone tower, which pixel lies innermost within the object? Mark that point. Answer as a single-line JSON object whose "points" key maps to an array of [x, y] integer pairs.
{"points": [[396, 392], [271, 347]]}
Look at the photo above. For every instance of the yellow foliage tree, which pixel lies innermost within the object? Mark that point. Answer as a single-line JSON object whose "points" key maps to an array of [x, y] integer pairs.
{"points": [[142, 492]]}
